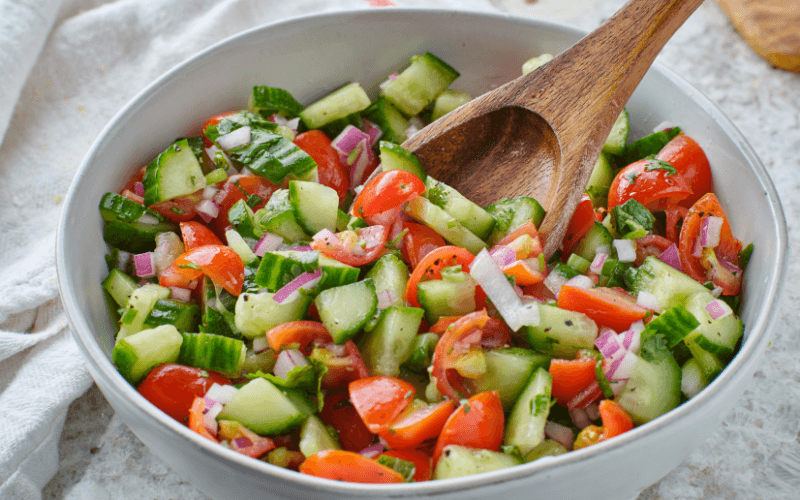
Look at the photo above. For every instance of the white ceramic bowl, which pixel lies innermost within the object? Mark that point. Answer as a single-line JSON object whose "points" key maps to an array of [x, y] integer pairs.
{"points": [[311, 56]]}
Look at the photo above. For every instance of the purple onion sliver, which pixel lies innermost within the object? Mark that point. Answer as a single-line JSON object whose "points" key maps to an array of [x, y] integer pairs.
{"points": [[373, 131], [349, 139], [715, 309], [145, 267], [297, 283], [503, 255], [267, 243], [242, 442], [138, 189], [607, 343], [597, 264], [372, 451], [671, 258], [559, 433], [730, 267], [709, 231]]}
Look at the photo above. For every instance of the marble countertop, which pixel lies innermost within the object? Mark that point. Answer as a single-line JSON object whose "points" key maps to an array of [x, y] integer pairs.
{"points": [[755, 451]]}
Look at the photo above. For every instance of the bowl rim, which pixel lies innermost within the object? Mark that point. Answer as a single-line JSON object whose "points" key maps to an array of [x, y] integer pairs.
{"points": [[100, 363]]}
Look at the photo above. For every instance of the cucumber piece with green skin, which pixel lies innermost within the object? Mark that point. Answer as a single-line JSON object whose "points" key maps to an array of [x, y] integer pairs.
{"points": [[139, 305], [648, 145], [120, 286], [277, 269], [272, 156], [390, 274], [390, 343], [525, 426], [422, 349], [137, 354], [257, 313], [670, 286], [114, 206], [600, 181], [460, 461], [654, 387], [547, 448], [597, 235], [134, 237], [470, 215], [182, 315], [336, 127], [618, 136], [315, 206], [270, 100], [709, 363], [693, 378], [213, 352], [216, 318], [419, 84], [344, 101], [344, 310], [443, 223], [508, 371], [448, 101], [561, 333], [242, 220], [315, 437], [453, 295], [262, 408], [175, 172], [238, 244], [717, 336], [510, 214], [285, 225], [389, 119], [395, 157]]}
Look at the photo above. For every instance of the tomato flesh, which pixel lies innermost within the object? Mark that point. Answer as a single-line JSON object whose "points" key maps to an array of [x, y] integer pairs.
{"points": [[330, 170], [609, 307], [386, 191], [649, 183], [172, 387], [478, 423]]}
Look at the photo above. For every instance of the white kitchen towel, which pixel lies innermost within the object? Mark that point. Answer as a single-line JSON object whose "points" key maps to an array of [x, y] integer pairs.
{"points": [[66, 67]]}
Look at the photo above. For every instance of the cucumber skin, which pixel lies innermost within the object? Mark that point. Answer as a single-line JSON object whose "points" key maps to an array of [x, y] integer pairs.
{"points": [[160, 345], [670, 286], [213, 352], [389, 344], [562, 333], [120, 286], [525, 426], [190, 172], [653, 389]]}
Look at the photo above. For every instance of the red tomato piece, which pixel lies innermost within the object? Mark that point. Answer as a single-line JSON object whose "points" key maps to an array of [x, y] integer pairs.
{"points": [[649, 183], [178, 209], [611, 307], [420, 459], [590, 394], [652, 244], [233, 190], [195, 234], [171, 276], [419, 241], [417, 424], [478, 423], [386, 191], [350, 467], [582, 220], [570, 377], [330, 170], [356, 248], [379, 400], [196, 419], [674, 215], [172, 387], [615, 419], [303, 333], [431, 265], [344, 369], [339, 413], [245, 441], [691, 162], [220, 263], [211, 122]]}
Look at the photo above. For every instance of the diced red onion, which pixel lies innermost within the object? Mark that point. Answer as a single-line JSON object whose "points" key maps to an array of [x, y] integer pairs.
{"points": [[326, 237], [364, 159], [485, 271], [730, 267], [287, 360], [290, 290], [554, 282], [145, 265], [391, 77], [386, 298], [621, 367], [579, 418], [709, 231], [303, 248], [559, 433], [593, 411], [630, 340], [626, 250], [697, 251], [260, 344], [210, 418], [220, 393], [503, 255], [182, 294], [138, 188], [276, 118], [238, 137], [718, 309], [372, 451], [670, 257], [607, 343], [209, 192], [349, 139], [665, 125], [267, 243], [597, 264], [373, 131], [207, 210], [337, 350], [580, 281], [242, 442], [648, 301], [716, 292]]}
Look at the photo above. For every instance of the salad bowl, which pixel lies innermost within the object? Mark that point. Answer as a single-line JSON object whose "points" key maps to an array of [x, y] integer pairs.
{"points": [[315, 54]]}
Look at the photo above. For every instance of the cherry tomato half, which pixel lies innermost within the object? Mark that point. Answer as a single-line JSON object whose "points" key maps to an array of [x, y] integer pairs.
{"points": [[419, 241], [348, 466], [194, 234], [379, 400], [355, 248], [330, 170], [430, 267], [650, 182], [478, 423], [340, 413], [611, 307], [386, 191], [691, 162], [220, 263], [233, 190], [172, 387]]}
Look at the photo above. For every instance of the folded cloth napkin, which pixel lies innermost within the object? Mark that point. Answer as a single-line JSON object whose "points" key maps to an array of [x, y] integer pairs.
{"points": [[66, 67]]}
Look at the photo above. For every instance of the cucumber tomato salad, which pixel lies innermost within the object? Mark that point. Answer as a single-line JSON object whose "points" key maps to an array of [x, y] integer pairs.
{"points": [[293, 286]]}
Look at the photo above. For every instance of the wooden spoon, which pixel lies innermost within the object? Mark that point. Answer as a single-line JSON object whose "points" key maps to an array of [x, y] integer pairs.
{"points": [[541, 134]]}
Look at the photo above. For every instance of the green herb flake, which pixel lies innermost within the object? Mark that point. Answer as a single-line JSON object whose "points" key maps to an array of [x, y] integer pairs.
{"points": [[652, 165]]}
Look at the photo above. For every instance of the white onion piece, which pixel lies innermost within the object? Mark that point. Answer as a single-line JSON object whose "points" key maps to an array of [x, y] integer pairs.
{"points": [[260, 344], [267, 243], [528, 313], [148, 219], [621, 367], [579, 418], [593, 411], [597, 264], [626, 250], [671, 257], [559, 433], [293, 124], [358, 189], [168, 248], [209, 192], [238, 137], [386, 298], [210, 418], [709, 231], [580, 281], [554, 282], [718, 309], [207, 210], [326, 237], [730, 267], [648, 301], [145, 265], [290, 290], [485, 271], [630, 340], [287, 360], [607, 343], [665, 125], [503, 255], [637, 326], [182, 294], [220, 393], [337, 350]]}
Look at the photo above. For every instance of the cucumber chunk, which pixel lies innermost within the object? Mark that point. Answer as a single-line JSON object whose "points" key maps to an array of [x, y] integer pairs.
{"points": [[182, 315], [175, 172], [389, 344], [618, 136], [471, 216], [257, 313], [315, 437], [269, 100], [139, 305], [390, 274], [600, 181], [262, 408], [597, 235], [717, 336], [315, 205], [648, 145], [535, 62], [277, 217], [344, 101], [562, 333], [394, 157], [114, 206], [419, 84], [120, 286], [510, 214], [345, 310], [213, 352], [448, 101], [670, 286], [508, 372], [443, 223], [134, 237], [525, 426], [389, 119], [137, 354], [460, 461], [654, 387], [453, 295]]}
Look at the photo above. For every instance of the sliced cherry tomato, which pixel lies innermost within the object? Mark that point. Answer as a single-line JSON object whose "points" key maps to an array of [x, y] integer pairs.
{"points": [[171, 276], [340, 465], [355, 248], [233, 190], [675, 215], [570, 377], [330, 169], [591, 394], [430, 267], [419, 241], [649, 182], [131, 185], [386, 191], [178, 209], [582, 220], [304, 333], [528, 228], [220, 263], [379, 400], [525, 272], [243, 440], [210, 123], [708, 268], [172, 387], [420, 459], [652, 244], [195, 234], [417, 423], [615, 419], [442, 324], [195, 418], [611, 307], [341, 370], [691, 162], [339, 413], [478, 423]]}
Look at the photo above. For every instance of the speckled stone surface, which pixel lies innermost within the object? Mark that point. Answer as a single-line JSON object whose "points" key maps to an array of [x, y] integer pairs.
{"points": [[755, 452]]}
